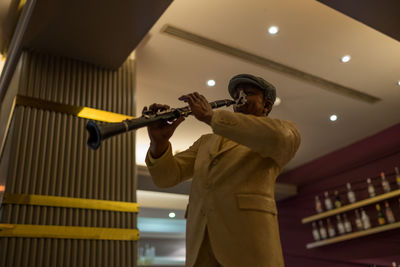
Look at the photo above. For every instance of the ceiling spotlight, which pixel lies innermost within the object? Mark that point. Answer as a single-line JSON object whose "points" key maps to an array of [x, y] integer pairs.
{"points": [[277, 101], [273, 30], [398, 82], [345, 58], [211, 83], [333, 117], [172, 215]]}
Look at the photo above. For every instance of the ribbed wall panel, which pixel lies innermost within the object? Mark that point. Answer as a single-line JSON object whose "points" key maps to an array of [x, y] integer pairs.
{"points": [[50, 157]]}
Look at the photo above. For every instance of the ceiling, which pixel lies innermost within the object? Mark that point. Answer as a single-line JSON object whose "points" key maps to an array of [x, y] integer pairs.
{"points": [[312, 39], [52, 28], [380, 15]]}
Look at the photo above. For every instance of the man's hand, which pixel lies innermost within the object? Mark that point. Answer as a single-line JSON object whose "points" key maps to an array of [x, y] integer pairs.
{"points": [[200, 107], [160, 131]]}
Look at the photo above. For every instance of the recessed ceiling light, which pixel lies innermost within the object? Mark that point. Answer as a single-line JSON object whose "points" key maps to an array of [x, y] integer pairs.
{"points": [[398, 82], [273, 30], [345, 58], [172, 215], [333, 117], [211, 83], [277, 101]]}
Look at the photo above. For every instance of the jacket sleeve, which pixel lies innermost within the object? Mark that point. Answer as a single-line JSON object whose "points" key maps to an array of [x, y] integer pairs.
{"points": [[169, 170], [273, 138]]}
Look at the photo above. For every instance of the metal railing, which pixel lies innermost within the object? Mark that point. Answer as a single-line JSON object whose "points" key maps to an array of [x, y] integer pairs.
{"points": [[7, 73]]}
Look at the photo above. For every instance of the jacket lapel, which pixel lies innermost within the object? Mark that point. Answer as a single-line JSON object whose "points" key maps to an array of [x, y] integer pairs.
{"points": [[220, 145]]}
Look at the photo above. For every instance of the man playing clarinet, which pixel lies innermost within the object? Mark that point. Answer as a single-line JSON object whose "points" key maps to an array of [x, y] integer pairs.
{"points": [[231, 216]]}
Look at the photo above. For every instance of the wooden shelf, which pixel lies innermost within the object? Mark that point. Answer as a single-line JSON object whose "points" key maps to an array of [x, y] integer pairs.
{"points": [[350, 236], [353, 206]]}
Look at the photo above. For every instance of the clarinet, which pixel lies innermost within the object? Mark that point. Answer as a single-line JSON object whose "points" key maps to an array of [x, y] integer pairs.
{"points": [[100, 132]]}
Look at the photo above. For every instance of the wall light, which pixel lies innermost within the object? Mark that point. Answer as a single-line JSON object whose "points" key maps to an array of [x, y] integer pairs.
{"points": [[211, 83], [345, 58], [273, 30], [333, 117], [277, 101]]}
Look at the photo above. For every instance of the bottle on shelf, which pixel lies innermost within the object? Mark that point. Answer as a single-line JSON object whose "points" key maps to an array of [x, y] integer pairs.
{"points": [[385, 183], [318, 205], [338, 200], [358, 221], [366, 223], [315, 232], [340, 225], [322, 230], [347, 224], [381, 217], [389, 213], [397, 176], [371, 189], [328, 201], [350, 194], [331, 229]]}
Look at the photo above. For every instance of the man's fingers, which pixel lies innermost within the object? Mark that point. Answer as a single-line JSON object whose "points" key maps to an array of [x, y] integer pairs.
{"points": [[200, 98], [187, 98], [183, 98], [197, 95], [203, 99], [156, 107], [194, 99], [153, 107]]}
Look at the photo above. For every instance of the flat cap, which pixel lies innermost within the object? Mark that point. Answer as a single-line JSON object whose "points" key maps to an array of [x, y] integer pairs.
{"points": [[269, 89]]}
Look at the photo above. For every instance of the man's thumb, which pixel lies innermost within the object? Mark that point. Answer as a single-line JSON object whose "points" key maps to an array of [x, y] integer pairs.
{"points": [[177, 122]]}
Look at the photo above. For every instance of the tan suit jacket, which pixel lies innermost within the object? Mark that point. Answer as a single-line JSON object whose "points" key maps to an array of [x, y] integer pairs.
{"points": [[232, 193]]}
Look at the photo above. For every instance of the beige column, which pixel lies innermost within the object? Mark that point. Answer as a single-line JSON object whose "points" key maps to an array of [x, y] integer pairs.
{"points": [[48, 155]]}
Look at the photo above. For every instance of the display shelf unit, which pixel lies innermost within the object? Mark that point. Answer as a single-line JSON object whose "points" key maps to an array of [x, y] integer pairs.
{"points": [[350, 236], [352, 206]]}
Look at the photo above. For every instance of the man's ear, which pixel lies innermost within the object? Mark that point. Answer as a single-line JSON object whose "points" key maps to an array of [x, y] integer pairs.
{"points": [[268, 106], [266, 110]]}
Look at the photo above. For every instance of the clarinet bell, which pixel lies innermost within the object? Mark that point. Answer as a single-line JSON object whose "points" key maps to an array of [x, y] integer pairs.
{"points": [[100, 132], [94, 140]]}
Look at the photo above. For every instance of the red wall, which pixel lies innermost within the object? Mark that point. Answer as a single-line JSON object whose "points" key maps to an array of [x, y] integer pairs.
{"points": [[354, 163]]}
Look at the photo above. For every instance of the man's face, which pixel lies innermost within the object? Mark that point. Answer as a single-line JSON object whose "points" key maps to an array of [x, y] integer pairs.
{"points": [[255, 101]]}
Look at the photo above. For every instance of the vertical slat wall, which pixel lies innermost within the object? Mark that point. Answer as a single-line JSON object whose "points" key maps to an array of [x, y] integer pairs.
{"points": [[50, 157]]}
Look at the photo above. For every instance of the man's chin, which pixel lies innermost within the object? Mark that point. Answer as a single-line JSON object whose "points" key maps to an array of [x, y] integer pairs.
{"points": [[241, 110]]}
